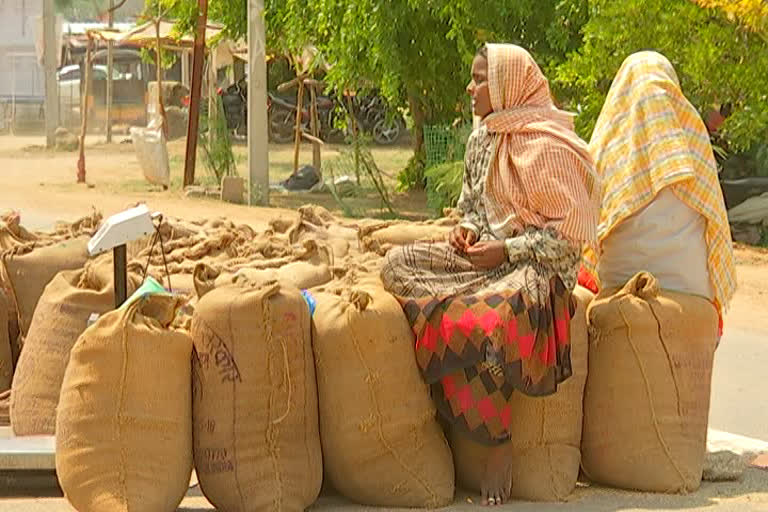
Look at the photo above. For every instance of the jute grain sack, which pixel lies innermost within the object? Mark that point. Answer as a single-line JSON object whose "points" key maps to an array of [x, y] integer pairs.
{"points": [[382, 445], [30, 273], [256, 439], [124, 424], [646, 404], [6, 354], [382, 240], [546, 432], [5, 408], [60, 318]]}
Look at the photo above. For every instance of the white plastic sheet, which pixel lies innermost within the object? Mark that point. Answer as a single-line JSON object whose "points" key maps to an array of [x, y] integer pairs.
{"points": [[152, 152]]}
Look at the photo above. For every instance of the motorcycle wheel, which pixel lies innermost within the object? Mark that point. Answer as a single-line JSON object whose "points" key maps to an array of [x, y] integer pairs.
{"points": [[387, 131], [281, 125]]}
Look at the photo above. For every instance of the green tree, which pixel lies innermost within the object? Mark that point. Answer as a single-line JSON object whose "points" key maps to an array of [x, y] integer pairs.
{"points": [[416, 52], [752, 13], [716, 60]]}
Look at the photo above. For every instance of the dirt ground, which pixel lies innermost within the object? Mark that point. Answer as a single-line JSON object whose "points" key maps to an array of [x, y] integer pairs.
{"points": [[42, 185]]}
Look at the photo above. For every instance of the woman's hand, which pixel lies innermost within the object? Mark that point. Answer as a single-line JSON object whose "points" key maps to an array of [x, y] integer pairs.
{"points": [[462, 238], [487, 255]]}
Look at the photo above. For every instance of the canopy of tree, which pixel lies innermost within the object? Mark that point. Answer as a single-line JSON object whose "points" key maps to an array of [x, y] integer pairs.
{"points": [[418, 52]]}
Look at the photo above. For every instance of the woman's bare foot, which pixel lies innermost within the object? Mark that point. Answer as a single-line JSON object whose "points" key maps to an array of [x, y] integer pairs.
{"points": [[497, 483]]}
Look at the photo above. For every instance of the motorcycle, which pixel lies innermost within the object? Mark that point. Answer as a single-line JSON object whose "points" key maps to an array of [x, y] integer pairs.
{"points": [[371, 112], [281, 115], [374, 117], [235, 101]]}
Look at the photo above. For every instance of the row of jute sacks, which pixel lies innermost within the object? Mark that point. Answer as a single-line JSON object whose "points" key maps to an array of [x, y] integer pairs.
{"points": [[656, 365]]}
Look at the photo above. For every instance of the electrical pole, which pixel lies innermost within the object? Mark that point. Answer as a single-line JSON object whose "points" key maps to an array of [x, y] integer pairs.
{"points": [[258, 150], [110, 71], [50, 60]]}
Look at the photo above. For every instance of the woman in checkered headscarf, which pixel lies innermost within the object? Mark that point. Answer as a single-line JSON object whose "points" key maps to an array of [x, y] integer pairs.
{"points": [[662, 209], [491, 309]]}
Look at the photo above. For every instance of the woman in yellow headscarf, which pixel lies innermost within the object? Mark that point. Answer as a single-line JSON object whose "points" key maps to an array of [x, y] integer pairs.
{"points": [[662, 207], [491, 309]]}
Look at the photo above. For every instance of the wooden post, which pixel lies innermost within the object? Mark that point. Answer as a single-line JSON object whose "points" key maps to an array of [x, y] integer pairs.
{"points": [[299, 108], [84, 109], [185, 68], [159, 77], [110, 71], [258, 150], [213, 107], [316, 155], [353, 125], [194, 100], [50, 59]]}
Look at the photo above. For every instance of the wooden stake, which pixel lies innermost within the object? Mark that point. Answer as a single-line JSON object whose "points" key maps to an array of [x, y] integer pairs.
{"points": [[297, 143], [159, 78], [84, 109], [316, 155], [353, 125], [194, 103]]}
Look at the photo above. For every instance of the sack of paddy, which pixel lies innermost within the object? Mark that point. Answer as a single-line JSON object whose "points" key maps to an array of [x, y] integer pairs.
{"points": [[124, 424], [28, 274], [9, 321], [256, 438], [382, 444], [6, 354], [546, 432], [60, 318], [646, 403], [380, 238]]}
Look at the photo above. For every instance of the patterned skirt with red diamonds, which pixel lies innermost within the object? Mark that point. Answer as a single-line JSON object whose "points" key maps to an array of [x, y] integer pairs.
{"points": [[482, 335]]}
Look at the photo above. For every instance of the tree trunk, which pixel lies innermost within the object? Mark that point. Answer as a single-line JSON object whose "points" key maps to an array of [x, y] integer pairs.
{"points": [[419, 118]]}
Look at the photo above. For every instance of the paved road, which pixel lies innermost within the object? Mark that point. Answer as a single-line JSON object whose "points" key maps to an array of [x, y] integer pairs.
{"points": [[739, 398], [739, 405]]}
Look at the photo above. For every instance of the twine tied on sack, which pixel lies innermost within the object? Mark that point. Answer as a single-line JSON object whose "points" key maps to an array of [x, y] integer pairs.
{"points": [[645, 286]]}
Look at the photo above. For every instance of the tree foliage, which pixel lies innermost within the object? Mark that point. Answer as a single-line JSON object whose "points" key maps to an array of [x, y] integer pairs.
{"points": [[752, 13], [716, 61], [418, 52]]}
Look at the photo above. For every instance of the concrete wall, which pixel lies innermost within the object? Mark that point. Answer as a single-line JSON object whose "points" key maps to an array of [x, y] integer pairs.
{"points": [[18, 60]]}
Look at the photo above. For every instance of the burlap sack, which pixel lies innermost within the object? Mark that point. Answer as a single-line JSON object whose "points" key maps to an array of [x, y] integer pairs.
{"points": [[646, 404], [5, 408], [382, 240], [6, 354], [544, 450], [256, 439], [60, 318], [30, 273], [124, 425], [382, 445]]}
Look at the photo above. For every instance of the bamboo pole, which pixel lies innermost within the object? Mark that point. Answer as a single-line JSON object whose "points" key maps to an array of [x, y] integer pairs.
{"points": [[84, 112]]}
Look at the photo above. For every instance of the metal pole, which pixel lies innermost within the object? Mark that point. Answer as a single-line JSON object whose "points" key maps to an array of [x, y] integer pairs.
{"points": [[258, 150], [120, 266], [194, 102], [110, 72], [51, 84]]}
